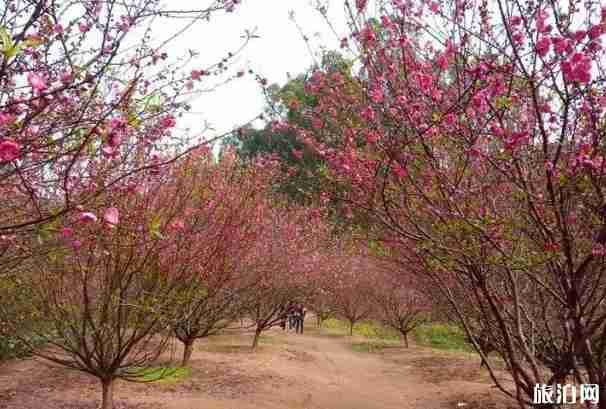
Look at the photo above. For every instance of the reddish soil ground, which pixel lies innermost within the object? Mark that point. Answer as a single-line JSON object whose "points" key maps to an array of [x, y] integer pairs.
{"points": [[317, 370]]}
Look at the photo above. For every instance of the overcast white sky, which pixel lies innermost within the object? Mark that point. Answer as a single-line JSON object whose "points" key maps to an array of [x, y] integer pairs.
{"points": [[279, 51]]}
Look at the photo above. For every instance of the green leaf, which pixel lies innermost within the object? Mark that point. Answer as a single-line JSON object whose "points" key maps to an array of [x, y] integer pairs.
{"points": [[5, 37], [503, 102], [11, 52], [46, 230], [9, 49], [151, 102], [154, 227], [134, 120]]}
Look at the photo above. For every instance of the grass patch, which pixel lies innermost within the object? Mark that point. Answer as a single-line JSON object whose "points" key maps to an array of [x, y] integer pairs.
{"points": [[374, 330], [374, 347], [442, 336], [366, 329], [164, 374]]}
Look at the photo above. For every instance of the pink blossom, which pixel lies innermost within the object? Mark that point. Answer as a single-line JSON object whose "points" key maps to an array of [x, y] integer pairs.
{"points": [[178, 225], [108, 150], [114, 140], [231, 5], [580, 35], [86, 217], [516, 20], [596, 31], [168, 121], [400, 171], [369, 36], [443, 61], [577, 58], [112, 216], [368, 114], [9, 150], [594, 47], [66, 77], [424, 80], [542, 27], [372, 137], [83, 27], [577, 68], [317, 123], [543, 46], [361, 4], [125, 23], [561, 45], [196, 75], [37, 82], [118, 123], [6, 119], [517, 37], [450, 119], [67, 232], [377, 95]]}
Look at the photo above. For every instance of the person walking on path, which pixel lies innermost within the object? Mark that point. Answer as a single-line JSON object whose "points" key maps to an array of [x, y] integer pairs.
{"points": [[300, 318], [283, 317], [292, 319]]}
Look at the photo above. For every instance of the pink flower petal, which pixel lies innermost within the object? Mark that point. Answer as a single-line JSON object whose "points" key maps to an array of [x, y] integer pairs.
{"points": [[112, 216], [67, 232], [9, 150], [86, 217], [37, 82]]}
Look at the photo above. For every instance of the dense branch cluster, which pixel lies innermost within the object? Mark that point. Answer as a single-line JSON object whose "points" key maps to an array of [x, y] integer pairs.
{"points": [[473, 137]]}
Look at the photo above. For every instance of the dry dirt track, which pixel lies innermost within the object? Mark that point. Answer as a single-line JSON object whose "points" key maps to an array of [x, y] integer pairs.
{"points": [[311, 371]]}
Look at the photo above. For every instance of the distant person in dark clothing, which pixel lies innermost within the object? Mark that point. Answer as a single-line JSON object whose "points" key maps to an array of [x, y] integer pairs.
{"points": [[291, 316], [283, 317], [300, 318]]}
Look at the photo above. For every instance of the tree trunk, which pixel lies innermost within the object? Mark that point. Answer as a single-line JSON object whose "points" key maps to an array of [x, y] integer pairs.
{"points": [[351, 325], [108, 394], [405, 338], [188, 349], [319, 321], [256, 339]]}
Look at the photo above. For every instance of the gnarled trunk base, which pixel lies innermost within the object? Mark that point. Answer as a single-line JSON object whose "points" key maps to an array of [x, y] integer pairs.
{"points": [[256, 339], [188, 349], [107, 401]]}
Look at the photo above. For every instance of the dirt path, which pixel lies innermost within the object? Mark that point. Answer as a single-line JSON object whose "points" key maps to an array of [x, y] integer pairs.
{"points": [[312, 371]]}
